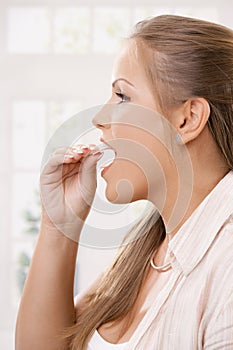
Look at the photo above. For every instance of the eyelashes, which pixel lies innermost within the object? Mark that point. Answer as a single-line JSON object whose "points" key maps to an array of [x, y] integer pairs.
{"points": [[123, 97]]}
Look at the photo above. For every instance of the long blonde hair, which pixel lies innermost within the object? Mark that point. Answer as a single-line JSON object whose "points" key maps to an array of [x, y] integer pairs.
{"points": [[184, 57]]}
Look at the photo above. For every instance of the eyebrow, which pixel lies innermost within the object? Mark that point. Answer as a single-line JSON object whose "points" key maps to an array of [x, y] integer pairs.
{"points": [[125, 80]]}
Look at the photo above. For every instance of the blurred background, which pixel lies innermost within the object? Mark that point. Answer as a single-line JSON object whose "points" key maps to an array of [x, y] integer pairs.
{"points": [[56, 58]]}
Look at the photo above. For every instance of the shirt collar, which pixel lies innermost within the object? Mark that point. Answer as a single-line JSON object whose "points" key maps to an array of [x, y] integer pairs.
{"points": [[193, 239]]}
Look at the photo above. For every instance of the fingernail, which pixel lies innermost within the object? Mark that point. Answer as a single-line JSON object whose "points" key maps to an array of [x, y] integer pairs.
{"points": [[84, 147], [92, 148], [79, 152]]}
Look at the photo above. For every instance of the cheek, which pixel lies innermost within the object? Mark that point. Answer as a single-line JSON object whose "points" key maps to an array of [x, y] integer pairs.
{"points": [[141, 168], [142, 149]]}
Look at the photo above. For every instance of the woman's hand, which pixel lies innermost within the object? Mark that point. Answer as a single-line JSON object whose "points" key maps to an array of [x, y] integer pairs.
{"points": [[68, 185]]}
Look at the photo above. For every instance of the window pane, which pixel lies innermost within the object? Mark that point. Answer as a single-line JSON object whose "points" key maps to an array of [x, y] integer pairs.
{"points": [[28, 30], [28, 133], [110, 26], [71, 30]]}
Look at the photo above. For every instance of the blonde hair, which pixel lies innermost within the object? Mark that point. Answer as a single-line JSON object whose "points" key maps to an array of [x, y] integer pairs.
{"points": [[185, 57]]}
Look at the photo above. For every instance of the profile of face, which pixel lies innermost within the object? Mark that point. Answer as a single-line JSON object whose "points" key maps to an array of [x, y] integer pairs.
{"points": [[131, 124]]}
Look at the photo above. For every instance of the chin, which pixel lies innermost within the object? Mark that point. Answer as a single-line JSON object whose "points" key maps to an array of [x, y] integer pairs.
{"points": [[123, 193], [126, 183]]}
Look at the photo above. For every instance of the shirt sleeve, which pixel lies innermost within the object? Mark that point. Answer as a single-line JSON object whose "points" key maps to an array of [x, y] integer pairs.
{"points": [[219, 332]]}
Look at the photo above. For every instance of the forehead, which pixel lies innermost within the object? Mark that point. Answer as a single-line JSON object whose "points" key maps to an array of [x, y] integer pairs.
{"points": [[128, 65]]}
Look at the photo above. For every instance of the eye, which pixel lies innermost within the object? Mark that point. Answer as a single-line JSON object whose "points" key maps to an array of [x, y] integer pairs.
{"points": [[123, 97]]}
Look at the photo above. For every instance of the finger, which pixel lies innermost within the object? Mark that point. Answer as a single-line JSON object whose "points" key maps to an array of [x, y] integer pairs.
{"points": [[66, 150], [72, 172], [57, 160], [86, 148], [69, 155]]}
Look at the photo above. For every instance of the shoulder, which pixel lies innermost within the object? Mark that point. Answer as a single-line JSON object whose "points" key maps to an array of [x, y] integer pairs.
{"points": [[219, 262], [224, 240], [223, 246]]}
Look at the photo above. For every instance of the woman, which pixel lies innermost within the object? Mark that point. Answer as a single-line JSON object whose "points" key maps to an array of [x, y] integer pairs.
{"points": [[172, 286]]}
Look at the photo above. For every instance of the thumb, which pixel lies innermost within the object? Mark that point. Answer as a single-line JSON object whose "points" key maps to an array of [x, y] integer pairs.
{"points": [[87, 180], [88, 164]]}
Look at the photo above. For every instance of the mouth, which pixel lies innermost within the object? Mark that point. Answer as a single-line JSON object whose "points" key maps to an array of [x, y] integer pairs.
{"points": [[105, 144], [109, 155]]}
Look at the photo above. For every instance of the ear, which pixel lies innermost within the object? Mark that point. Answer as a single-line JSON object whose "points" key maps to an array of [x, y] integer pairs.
{"points": [[192, 118]]}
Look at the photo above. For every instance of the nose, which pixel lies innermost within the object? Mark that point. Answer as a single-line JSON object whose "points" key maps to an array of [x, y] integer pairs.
{"points": [[102, 118]]}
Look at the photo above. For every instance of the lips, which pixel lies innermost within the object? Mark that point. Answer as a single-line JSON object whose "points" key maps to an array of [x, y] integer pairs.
{"points": [[109, 154], [106, 143]]}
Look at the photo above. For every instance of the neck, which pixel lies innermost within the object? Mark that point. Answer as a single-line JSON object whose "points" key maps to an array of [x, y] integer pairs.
{"points": [[199, 194], [204, 181]]}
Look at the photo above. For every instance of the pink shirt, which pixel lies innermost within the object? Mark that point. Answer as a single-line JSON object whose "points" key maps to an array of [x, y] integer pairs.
{"points": [[195, 308]]}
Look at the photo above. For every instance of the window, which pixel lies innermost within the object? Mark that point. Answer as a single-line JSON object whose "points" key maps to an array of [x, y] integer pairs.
{"points": [[33, 122], [71, 30], [110, 26]]}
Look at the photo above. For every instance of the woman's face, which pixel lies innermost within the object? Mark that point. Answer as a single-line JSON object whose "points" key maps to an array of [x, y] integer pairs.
{"points": [[130, 124]]}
